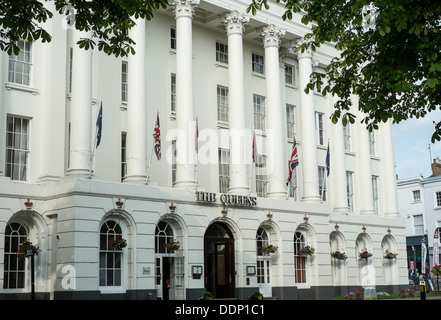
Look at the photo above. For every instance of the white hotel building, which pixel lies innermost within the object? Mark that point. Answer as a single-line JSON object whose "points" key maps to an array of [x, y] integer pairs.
{"points": [[240, 76]]}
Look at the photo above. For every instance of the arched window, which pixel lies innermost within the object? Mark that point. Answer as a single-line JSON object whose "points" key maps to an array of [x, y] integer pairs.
{"points": [[110, 255], [299, 262], [338, 257], [261, 241], [163, 235], [14, 268]]}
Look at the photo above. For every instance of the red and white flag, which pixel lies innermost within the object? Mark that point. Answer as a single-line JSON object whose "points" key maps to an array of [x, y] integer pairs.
{"points": [[294, 161], [157, 137]]}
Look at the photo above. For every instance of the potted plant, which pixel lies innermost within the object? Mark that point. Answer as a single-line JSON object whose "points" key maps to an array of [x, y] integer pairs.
{"points": [[24, 246], [436, 269], [338, 255], [390, 255], [307, 251], [172, 247], [364, 255], [118, 243], [207, 296], [256, 296], [269, 249]]}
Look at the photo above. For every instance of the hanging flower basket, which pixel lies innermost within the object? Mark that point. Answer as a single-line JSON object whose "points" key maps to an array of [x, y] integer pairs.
{"points": [[337, 255], [364, 255], [118, 244], [24, 246], [390, 255], [172, 247], [436, 269], [307, 251], [269, 249]]}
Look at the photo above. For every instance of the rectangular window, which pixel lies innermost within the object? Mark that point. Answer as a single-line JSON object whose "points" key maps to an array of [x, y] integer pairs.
{"points": [[221, 52], [375, 192], [261, 176], [438, 198], [124, 85], [320, 128], [20, 65], [174, 152], [17, 148], [123, 155], [259, 112], [372, 143], [322, 186], [257, 63], [290, 121], [347, 137], [416, 196], [224, 170], [292, 186], [173, 38], [70, 68], [222, 104], [173, 93], [350, 190], [289, 74], [418, 224]]}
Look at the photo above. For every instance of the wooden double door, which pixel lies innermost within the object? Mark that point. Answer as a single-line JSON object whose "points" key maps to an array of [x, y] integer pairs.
{"points": [[219, 261]]}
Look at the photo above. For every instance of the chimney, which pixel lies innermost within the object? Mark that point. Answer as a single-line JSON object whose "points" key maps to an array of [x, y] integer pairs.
{"points": [[436, 167]]}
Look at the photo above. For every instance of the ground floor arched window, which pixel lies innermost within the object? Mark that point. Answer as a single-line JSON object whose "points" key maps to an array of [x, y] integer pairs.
{"points": [[110, 256], [299, 261], [14, 268]]}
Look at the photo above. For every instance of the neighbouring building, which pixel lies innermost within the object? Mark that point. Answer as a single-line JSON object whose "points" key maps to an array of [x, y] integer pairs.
{"points": [[419, 203], [226, 92]]}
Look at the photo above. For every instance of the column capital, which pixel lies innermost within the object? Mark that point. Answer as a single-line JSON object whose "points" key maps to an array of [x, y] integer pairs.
{"points": [[235, 22], [306, 52], [184, 8], [272, 36]]}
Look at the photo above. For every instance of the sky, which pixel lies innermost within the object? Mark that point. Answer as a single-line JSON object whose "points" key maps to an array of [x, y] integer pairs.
{"points": [[411, 142]]}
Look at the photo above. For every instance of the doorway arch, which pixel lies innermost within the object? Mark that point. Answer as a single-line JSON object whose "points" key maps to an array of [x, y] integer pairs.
{"points": [[219, 260]]}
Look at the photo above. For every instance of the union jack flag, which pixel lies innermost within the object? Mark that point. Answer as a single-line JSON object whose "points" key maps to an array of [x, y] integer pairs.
{"points": [[157, 137], [294, 161]]}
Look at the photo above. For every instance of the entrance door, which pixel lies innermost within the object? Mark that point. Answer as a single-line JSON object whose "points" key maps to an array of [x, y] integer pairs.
{"points": [[263, 276], [219, 261], [163, 277]]}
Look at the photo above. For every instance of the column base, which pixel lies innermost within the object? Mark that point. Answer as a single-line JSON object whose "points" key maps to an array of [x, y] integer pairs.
{"points": [[311, 199], [81, 173], [185, 185], [135, 179], [239, 190], [277, 195]]}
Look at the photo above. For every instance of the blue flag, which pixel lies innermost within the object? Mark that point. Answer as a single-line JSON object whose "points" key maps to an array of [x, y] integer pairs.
{"points": [[99, 125], [328, 168]]}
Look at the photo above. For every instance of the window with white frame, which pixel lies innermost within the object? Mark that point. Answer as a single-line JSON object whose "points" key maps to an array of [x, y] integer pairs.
{"points": [[290, 121], [124, 83], [347, 137], [221, 52], [173, 93], [163, 235], [372, 143], [14, 268], [173, 38], [222, 104], [17, 148], [20, 65], [322, 182], [299, 261], [350, 190], [259, 112], [173, 166], [418, 224], [289, 74], [110, 261], [416, 195], [292, 185], [261, 176], [438, 199], [320, 128], [123, 155], [224, 170], [375, 192], [257, 63], [70, 68]]}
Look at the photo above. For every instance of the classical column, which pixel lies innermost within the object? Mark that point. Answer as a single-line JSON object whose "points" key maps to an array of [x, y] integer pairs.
{"points": [[275, 139], [366, 198], [308, 150], [137, 109], [337, 163], [390, 203], [81, 108], [234, 24], [185, 121]]}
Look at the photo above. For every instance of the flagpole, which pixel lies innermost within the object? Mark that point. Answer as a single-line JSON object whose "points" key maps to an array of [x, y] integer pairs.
{"points": [[151, 155], [94, 142]]}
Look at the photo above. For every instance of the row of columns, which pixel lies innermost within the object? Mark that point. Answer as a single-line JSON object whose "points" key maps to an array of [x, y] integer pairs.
{"points": [[235, 24]]}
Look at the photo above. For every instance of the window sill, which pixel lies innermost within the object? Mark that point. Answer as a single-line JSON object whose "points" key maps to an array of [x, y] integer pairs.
{"points": [[110, 290], [257, 75], [221, 65], [14, 86]]}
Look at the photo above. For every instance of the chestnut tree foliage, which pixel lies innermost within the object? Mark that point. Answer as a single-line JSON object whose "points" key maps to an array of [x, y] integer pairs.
{"points": [[108, 20], [390, 55]]}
